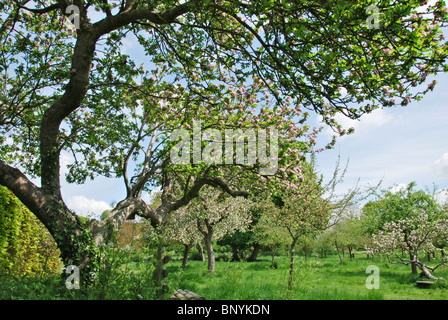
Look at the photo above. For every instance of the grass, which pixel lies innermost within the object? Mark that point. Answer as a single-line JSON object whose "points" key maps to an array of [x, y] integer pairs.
{"points": [[314, 279]]}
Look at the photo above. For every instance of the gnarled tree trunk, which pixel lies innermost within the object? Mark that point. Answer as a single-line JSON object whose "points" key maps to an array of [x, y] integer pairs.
{"points": [[210, 253], [255, 252], [72, 237], [186, 253]]}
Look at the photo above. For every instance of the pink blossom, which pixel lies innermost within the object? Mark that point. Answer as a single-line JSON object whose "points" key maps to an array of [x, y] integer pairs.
{"points": [[432, 85]]}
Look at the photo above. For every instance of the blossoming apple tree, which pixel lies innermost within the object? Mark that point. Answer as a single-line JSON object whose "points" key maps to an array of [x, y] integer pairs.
{"points": [[393, 206], [212, 215], [415, 236], [311, 208]]}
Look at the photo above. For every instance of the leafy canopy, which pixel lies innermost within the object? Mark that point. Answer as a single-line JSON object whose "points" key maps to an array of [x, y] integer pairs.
{"points": [[393, 206], [206, 58]]}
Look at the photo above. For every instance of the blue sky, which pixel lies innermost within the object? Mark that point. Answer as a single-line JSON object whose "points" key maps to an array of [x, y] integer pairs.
{"points": [[397, 145]]}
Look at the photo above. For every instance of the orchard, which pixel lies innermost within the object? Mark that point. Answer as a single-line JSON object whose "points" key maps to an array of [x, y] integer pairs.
{"points": [[266, 68]]}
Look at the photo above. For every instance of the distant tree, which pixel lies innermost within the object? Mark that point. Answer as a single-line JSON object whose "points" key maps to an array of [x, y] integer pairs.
{"points": [[181, 227], [348, 234], [354, 232], [323, 243], [311, 208], [399, 205], [305, 243], [243, 241], [414, 235], [268, 233], [396, 204], [338, 241], [216, 215], [239, 242]]}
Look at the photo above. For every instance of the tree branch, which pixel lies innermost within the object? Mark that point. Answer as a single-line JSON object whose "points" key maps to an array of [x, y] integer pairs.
{"points": [[124, 210], [42, 10], [27, 192], [130, 14]]}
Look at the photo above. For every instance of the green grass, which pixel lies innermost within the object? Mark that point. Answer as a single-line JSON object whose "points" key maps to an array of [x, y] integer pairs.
{"points": [[314, 279], [128, 277]]}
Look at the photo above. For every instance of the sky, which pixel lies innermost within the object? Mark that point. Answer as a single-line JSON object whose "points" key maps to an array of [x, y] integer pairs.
{"points": [[395, 145]]}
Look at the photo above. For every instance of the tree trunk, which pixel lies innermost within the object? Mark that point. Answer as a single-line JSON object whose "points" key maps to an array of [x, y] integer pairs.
{"points": [[160, 272], [235, 256], [210, 252], [350, 252], [186, 253], [413, 264], [201, 251], [292, 251], [339, 253], [272, 258], [208, 238], [425, 273], [255, 252], [324, 253]]}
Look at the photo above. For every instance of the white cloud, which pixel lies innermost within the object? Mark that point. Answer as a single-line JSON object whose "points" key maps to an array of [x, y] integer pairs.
{"points": [[375, 119], [65, 159], [398, 187], [87, 207], [129, 44], [441, 164], [441, 196], [150, 196], [367, 122]]}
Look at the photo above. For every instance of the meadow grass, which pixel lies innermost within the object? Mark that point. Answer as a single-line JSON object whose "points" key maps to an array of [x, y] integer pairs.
{"points": [[129, 277], [314, 279]]}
